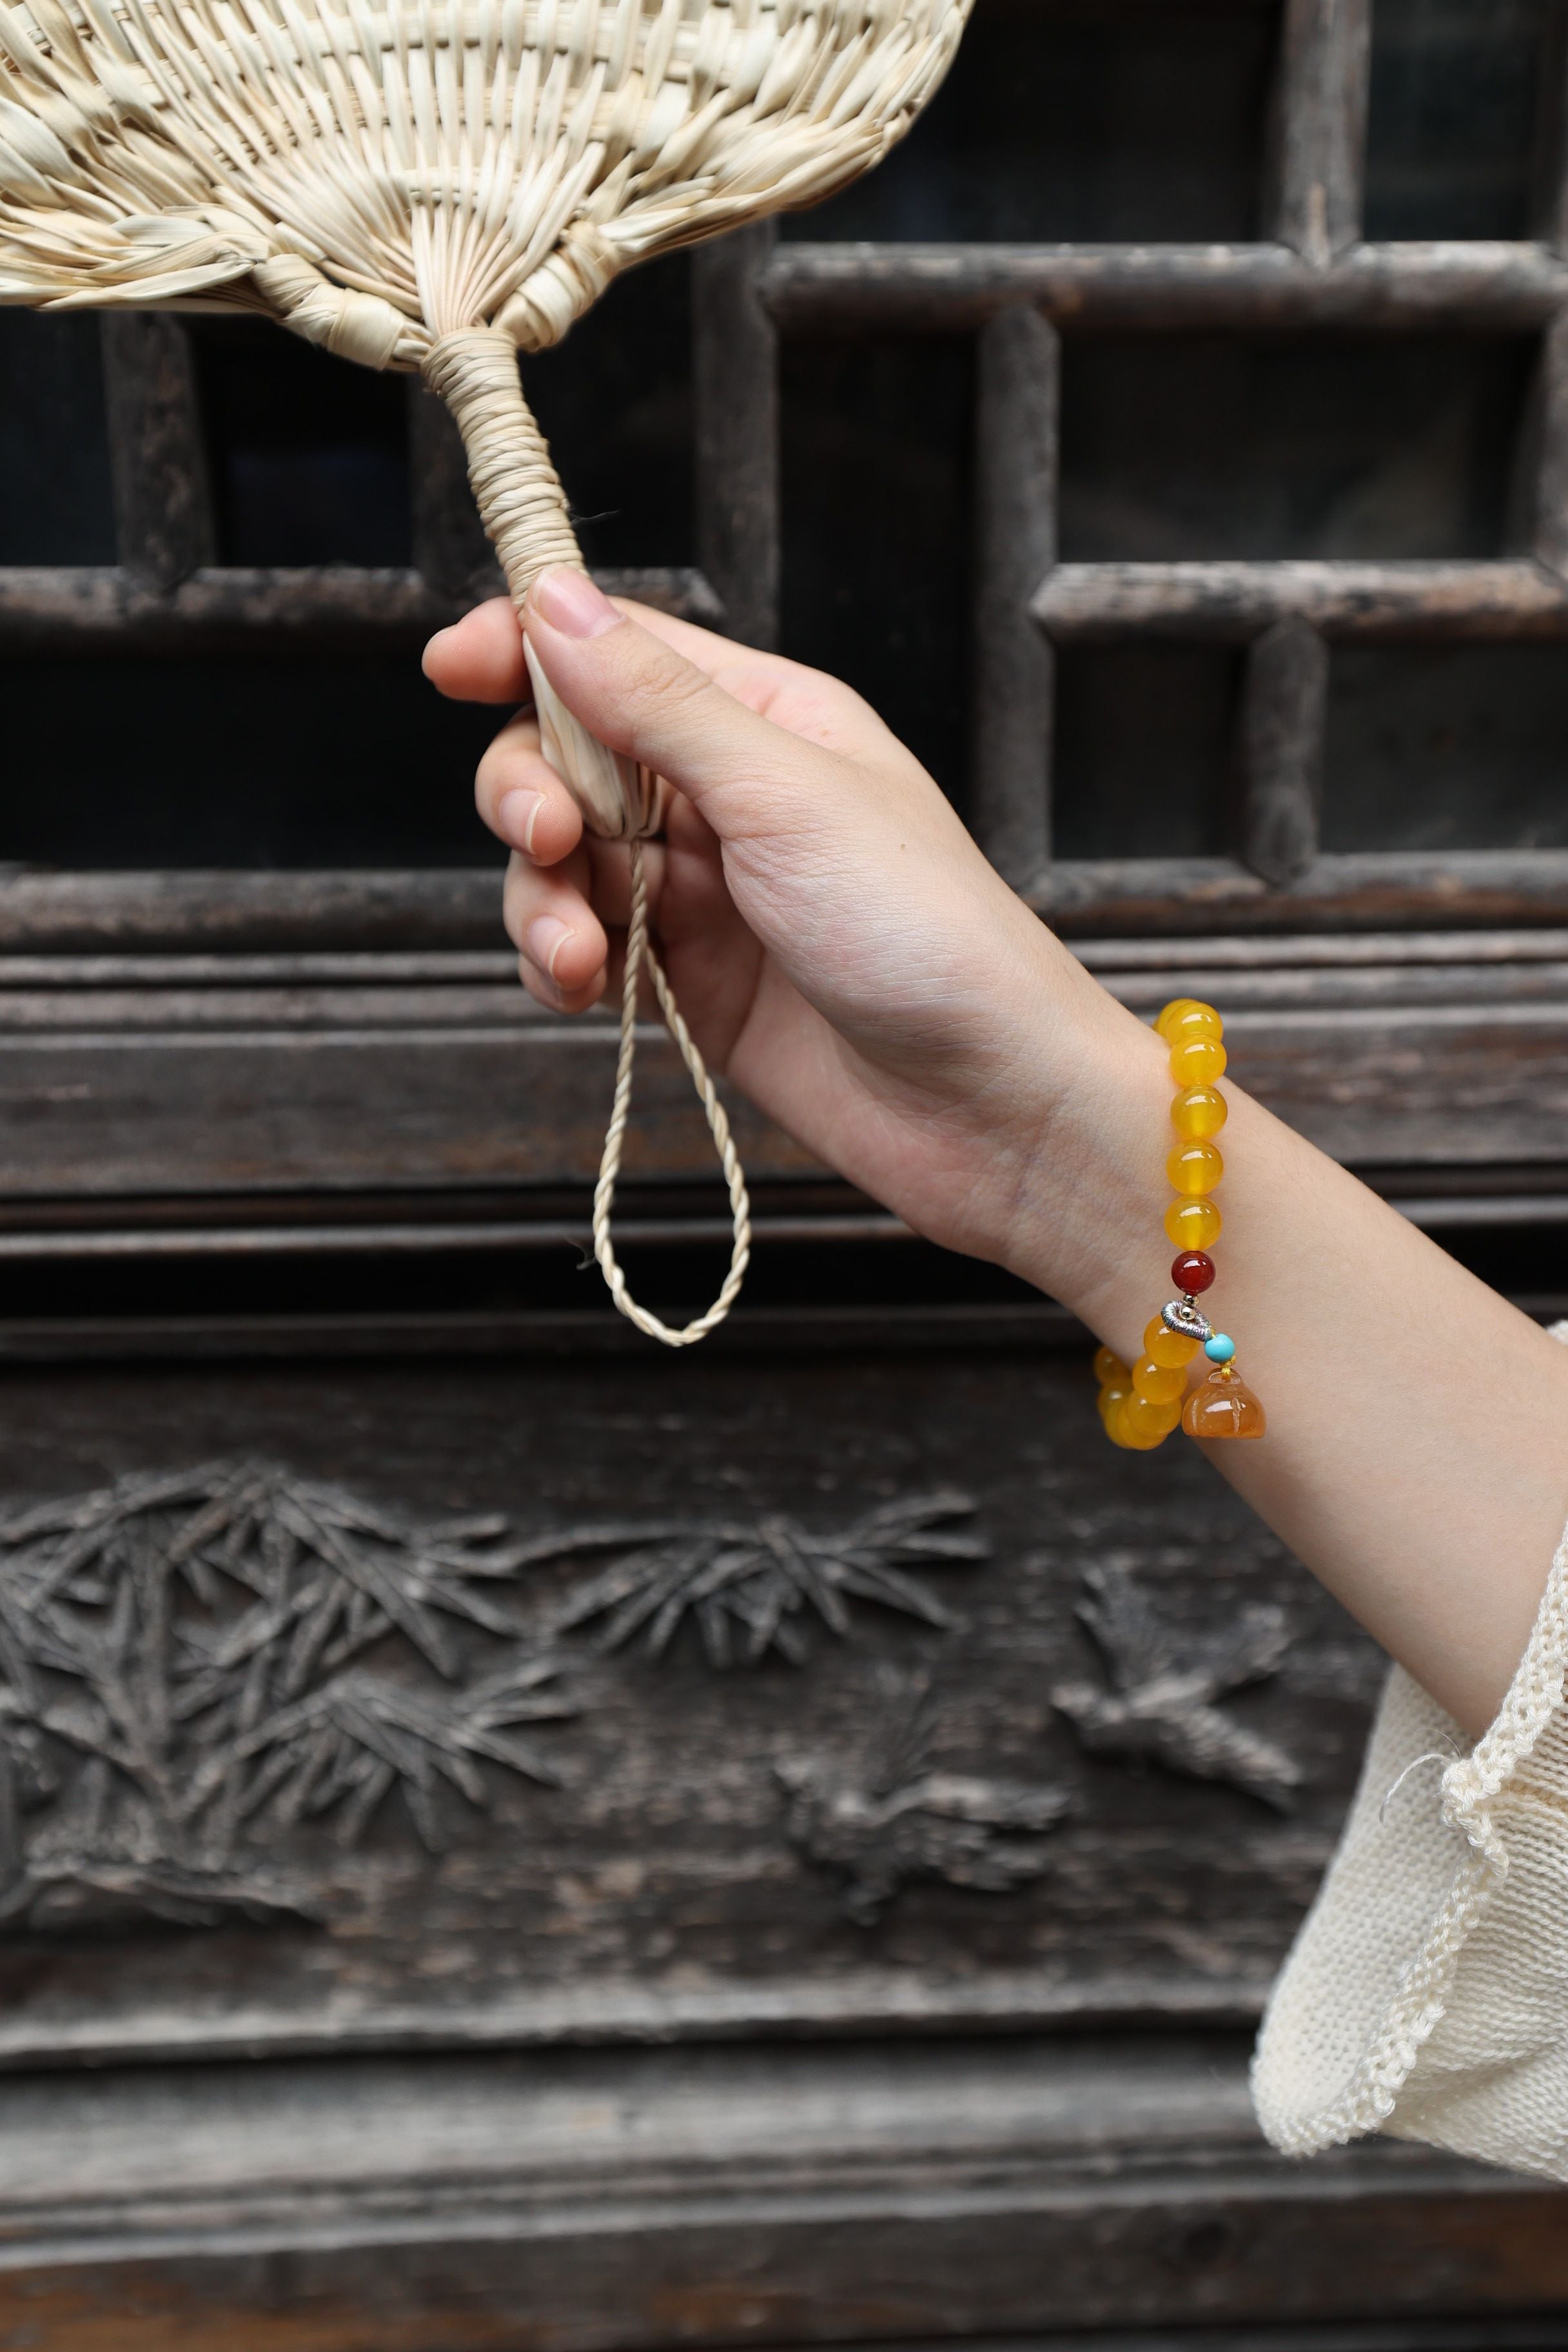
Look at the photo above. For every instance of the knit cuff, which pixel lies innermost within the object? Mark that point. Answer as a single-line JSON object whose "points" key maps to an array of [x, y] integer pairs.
{"points": [[1427, 1994]]}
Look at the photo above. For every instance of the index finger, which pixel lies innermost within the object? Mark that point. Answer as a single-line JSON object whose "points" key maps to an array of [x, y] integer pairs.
{"points": [[479, 659]]}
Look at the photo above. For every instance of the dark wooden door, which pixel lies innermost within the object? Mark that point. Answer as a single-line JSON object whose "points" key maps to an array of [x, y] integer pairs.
{"points": [[508, 1839]]}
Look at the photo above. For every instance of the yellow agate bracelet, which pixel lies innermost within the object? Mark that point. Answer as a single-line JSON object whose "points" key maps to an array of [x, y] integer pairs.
{"points": [[1142, 1406]]}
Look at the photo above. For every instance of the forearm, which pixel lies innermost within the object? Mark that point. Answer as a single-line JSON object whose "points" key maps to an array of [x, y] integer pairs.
{"points": [[1417, 1458]]}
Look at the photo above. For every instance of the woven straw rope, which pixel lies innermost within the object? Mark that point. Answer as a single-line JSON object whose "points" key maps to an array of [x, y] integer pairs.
{"points": [[435, 184]]}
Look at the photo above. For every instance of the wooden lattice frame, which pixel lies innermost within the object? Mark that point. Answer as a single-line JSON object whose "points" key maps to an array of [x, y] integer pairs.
{"points": [[1316, 272], [167, 593]]}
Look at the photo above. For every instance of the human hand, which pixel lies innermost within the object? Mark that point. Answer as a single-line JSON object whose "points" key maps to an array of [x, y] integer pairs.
{"points": [[838, 945]]}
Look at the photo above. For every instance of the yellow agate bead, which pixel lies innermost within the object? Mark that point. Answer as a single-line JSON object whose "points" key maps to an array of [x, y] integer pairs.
{"points": [[1195, 1167], [1177, 1005], [1140, 1441], [1158, 1383], [1196, 1060], [1164, 1346], [1193, 1020], [1146, 1423], [1193, 1224], [1109, 1365], [1199, 1114]]}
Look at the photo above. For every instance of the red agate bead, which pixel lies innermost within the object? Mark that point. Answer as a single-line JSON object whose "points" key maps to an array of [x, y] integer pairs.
{"points": [[1192, 1272]]}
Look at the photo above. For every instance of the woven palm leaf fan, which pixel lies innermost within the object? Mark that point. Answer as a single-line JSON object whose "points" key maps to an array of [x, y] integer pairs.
{"points": [[437, 185]]}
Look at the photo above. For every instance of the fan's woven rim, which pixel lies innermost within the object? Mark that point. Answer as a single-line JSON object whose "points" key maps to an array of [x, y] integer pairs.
{"points": [[378, 179]]}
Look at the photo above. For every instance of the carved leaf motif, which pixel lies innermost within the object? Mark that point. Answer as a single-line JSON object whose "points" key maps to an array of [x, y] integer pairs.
{"points": [[890, 1816], [1165, 1688], [749, 1588], [199, 1643]]}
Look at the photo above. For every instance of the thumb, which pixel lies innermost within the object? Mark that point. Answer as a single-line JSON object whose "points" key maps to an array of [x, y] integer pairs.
{"points": [[640, 697]]}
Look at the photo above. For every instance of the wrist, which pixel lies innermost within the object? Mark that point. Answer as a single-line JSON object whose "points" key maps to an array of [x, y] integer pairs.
{"points": [[1088, 1187]]}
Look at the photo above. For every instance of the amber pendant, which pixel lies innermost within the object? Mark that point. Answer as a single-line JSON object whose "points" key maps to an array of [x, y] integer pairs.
{"points": [[1223, 1406]]}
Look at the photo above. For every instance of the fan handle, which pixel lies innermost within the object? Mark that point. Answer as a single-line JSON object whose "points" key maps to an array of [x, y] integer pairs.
{"points": [[523, 510]]}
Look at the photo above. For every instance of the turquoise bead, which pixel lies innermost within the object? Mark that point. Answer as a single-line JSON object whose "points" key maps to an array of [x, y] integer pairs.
{"points": [[1219, 1349]]}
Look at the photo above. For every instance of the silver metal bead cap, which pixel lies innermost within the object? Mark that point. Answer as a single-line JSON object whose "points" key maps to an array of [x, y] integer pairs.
{"points": [[1182, 1315]]}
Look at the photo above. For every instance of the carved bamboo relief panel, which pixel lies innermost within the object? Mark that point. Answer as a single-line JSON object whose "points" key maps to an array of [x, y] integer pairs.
{"points": [[524, 1700]]}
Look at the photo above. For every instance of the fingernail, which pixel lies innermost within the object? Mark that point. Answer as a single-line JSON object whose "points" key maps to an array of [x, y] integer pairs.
{"points": [[546, 938], [431, 647], [517, 816], [568, 601]]}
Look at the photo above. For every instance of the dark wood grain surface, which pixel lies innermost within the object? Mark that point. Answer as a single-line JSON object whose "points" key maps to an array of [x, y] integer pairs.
{"points": [[860, 289], [107, 608], [1318, 127], [736, 387], [162, 498], [287, 1075], [778, 2195], [1235, 602], [1018, 395]]}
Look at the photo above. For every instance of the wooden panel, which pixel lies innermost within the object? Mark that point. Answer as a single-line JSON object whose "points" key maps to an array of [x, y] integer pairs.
{"points": [[247, 910], [1230, 603], [135, 1091], [163, 498], [1548, 523], [1089, 898], [373, 1074], [865, 289], [914, 1807], [578, 2202], [735, 382], [457, 911], [1320, 127], [1016, 462], [1284, 707], [87, 608]]}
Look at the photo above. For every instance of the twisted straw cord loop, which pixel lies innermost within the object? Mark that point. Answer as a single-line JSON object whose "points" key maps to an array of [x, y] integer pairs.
{"points": [[640, 950]]}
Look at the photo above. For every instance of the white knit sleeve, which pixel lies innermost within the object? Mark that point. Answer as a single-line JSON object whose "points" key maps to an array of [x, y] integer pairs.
{"points": [[1427, 1994]]}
